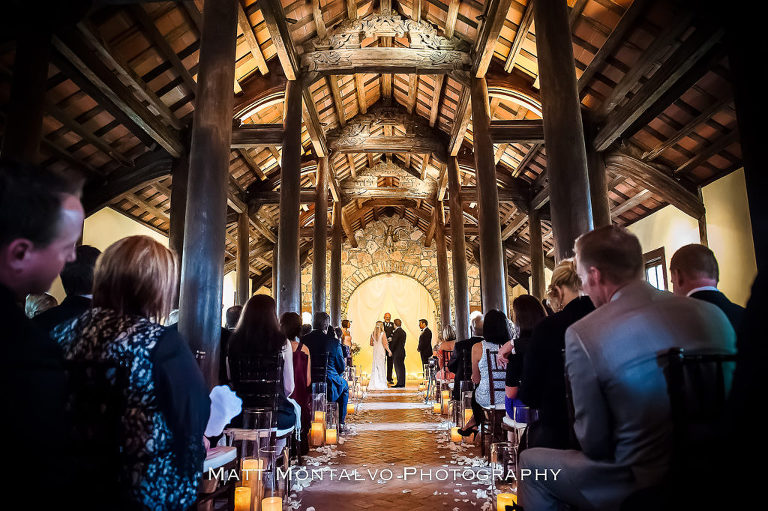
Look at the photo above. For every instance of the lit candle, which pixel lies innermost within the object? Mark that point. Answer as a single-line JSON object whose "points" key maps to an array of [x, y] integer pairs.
{"points": [[242, 498], [505, 499], [319, 416], [455, 437], [330, 436], [317, 433], [436, 407], [251, 470], [467, 416], [446, 405], [421, 386], [350, 407], [272, 504], [446, 395]]}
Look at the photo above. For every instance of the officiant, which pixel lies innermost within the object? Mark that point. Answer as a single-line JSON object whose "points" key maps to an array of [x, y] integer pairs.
{"points": [[389, 329]]}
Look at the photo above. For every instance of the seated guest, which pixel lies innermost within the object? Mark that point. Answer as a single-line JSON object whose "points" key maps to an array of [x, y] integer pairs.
{"points": [[40, 222], [695, 273], [319, 343], [305, 329], [37, 303], [461, 359], [258, 333], [231, 317], [620, 399], [528, 313], [542, 385], [445, 346], [495, 334], [167, 404], [290, 324], [77, 280]]}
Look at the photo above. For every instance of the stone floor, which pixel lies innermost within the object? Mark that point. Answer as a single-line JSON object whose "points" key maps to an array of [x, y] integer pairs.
{"points": [[396, 442]]}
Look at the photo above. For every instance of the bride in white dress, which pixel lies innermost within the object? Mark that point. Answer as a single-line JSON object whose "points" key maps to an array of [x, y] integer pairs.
{"points": [[379, 367]]}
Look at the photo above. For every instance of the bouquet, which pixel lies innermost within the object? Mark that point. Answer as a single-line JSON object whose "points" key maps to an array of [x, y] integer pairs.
{"points": [[355, 349]]}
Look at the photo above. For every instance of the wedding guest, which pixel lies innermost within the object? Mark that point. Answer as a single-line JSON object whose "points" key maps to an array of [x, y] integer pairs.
{"points": [[231, 317], [542, 385], [166, 399], [305, 329], [397, 348], [346, 338], [77, 280], [290, 323], [695, 273], [444, 348], [461, 359], [41, 220], [620, 398], [389, 329], [495, 334], [425, 342], [37, 303], [528, 313]]}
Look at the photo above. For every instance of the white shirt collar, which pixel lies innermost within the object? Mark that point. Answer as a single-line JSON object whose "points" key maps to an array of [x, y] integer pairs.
{"points": [[702, 288]]}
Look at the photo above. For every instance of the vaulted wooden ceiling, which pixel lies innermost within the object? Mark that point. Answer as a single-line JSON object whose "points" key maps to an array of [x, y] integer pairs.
{"points": [[653, 79]]}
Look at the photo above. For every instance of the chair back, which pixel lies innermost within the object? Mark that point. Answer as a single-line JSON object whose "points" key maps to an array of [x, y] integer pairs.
{"points": [[319, 368], [496, 375], [258, 380], [97, 404]]}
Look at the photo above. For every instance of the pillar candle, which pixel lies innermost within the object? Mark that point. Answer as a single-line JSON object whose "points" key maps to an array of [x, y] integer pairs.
{"points": [[467, 416], [317, 433], [446, 407], [436, 407], [505, 499], [319, 416], [421, 386], [251, 470], [272, 504], [446, 395], [455, 437], [242, 498], [330, 436], [350, 408]]}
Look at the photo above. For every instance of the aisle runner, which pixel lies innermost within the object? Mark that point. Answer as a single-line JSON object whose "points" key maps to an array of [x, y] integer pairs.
{"points": [[398, 456]]}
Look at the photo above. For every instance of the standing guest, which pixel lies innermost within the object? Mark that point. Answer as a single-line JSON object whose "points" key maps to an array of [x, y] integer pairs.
{"points": [[290, 323], [258, 333], [542, 385], [40, 222], [346, 338], [397, 347], [620, 399], [389, 329], [495, 334], [528, 313], [425, 342], [37, 303], [319, 344], [461, 359], [695, 273], [77, 280], [231, 317], [166, 399]]}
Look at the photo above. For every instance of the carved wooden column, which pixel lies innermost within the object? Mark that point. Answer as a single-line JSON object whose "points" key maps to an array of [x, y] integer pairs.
{"points": [[458, 251], [563, 129], [24, 124], [320, 240], [180, 174], [288, 264], [242, 267], [537, 254], [598, 190], [491, 253], [204, 238], [336, 266], [443, 283]]}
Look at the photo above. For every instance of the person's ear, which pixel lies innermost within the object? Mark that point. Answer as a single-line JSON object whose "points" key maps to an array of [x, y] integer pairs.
{"points": [[17, 253], [594, 276]]}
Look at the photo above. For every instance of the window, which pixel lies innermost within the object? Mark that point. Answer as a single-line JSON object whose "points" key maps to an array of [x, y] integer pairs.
{"points": [[656, 268]]}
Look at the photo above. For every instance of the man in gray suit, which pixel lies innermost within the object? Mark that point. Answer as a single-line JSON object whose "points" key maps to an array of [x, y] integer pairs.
{"points": [[621, 407]]}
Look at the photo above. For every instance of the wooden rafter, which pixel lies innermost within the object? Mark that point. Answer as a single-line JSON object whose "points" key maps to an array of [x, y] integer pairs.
{"points": [[520, 35]]}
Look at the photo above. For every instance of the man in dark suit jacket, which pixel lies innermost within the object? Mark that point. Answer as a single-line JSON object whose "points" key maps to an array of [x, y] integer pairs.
{"points": [[695, 273], [425, 342], [320, 342], [77, 279], [389, 328], [397, 346], [460, 362]]}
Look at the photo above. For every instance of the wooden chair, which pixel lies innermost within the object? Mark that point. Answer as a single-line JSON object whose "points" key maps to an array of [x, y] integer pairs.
{"points": [[221, 460], [494, 415]]}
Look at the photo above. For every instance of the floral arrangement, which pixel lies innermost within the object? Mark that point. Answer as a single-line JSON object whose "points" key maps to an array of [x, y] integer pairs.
{"points": [[355, 349]]}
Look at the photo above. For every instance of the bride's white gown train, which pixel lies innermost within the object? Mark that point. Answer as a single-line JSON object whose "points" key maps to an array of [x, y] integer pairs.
{"points": [[379, 366]]}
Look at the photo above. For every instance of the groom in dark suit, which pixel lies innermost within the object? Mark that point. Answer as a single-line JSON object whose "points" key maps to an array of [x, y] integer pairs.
{"points": [[389, 328], [398, 353]]}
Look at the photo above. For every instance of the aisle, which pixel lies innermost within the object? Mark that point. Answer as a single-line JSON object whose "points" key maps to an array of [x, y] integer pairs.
{"points": [[396, 442]]}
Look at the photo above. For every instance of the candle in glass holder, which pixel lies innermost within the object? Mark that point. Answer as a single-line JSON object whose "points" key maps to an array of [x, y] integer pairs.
{"points": [[242, 498], [330, 436], [317, 433], [436, 407], [505, 499], [350, 408], [421, 386], [319, 416], [455, 436], [467, 416], [251, 470], [446, 407], [272, 504], [446, 395]]}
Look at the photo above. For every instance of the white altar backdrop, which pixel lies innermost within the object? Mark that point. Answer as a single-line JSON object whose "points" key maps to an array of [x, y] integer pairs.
{"points": [[401, 296]]}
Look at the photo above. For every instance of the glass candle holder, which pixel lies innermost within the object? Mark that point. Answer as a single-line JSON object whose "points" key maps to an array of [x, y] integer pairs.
{"points": [[332, 424], [466, 408]]}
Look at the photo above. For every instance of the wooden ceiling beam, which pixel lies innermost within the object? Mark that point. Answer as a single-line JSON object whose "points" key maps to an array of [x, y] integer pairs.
{"points": [[317, 13], [362, 102], [495, 14], [352, 166], [257, 135], [395, 144], [514, 225], [250, 39], [702, 154], [450, 20], [345, 224], [275, 20], [631, 203], [251, 164], [413, 88], [384, 60], [520, 35], [437, 94], [517, 131], [333, 84], [424, 163]]}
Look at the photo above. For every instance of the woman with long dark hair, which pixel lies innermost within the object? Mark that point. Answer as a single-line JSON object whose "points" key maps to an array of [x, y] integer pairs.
{"points": [[290, 323], [528, 313]]}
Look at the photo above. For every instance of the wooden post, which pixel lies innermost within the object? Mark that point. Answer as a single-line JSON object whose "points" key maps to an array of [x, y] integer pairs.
{"points": [[242, 268], [205, 233], [274, 271], [180, 174], [598, 186], [491, 252], [320, 240], [563, 129], [336, 265], [443, 283], [24, 124], [288, 264], [458, 251], [537, 254]]}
